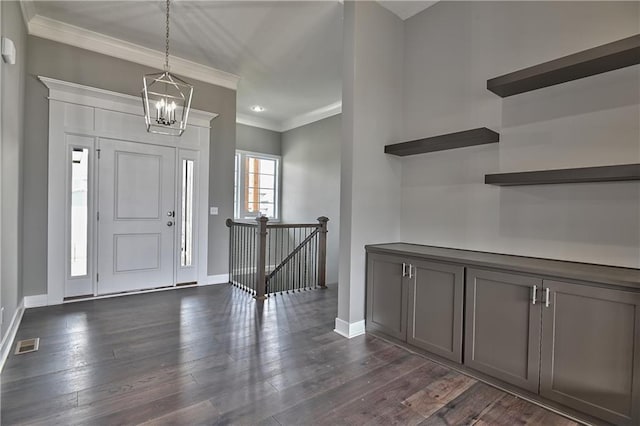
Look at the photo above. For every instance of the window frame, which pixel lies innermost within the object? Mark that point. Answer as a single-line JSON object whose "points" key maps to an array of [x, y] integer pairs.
{"points": [[239, 213]]}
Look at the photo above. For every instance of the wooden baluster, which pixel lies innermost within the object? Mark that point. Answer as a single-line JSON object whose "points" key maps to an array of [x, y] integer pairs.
{"points": [[322, 252]]}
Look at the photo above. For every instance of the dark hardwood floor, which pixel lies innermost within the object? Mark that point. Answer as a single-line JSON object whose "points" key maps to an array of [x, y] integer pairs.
{"points": [[209, 356]]}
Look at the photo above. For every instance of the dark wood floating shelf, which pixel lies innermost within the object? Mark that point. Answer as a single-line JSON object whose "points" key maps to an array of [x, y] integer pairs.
{"points": [[608, 57], [462, 139], [621, 172]]}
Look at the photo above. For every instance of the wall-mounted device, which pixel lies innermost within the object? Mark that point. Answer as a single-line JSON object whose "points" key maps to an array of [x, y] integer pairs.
{"points": [[8, 51]]}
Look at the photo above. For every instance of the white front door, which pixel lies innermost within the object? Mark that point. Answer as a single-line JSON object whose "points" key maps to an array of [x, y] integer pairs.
{"points": [[136, 226]]}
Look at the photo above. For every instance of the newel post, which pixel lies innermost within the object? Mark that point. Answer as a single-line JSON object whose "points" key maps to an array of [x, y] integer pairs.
{"points": [[232, 258], [322, 252], [261, 278]]}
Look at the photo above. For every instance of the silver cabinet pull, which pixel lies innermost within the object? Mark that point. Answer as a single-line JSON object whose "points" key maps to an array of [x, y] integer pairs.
{"points": [[410, 271], [547, 296], [534, 293], [404, 269]]}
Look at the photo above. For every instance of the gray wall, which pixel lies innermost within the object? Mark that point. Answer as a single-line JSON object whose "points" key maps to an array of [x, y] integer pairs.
{"points": [[311, 180], [60, 61], [13, 84], [450, 50], [255, 139], [371, 117]]}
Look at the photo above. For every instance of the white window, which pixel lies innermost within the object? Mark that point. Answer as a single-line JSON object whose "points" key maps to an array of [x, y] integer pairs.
{"points": [[186, 216], [257, 191], [79, 211]]}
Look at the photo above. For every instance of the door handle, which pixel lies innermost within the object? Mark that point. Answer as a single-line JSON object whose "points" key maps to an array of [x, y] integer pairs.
{"points": [[547, 296], [169, 223], [171, 213], [533, 295]]}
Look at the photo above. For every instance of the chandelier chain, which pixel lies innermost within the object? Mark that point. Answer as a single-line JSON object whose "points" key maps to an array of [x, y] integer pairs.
{"points": [[166, 57]]}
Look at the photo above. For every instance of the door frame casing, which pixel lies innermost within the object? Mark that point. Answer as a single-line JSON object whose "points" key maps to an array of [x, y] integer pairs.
{"points": [[97, 113]]}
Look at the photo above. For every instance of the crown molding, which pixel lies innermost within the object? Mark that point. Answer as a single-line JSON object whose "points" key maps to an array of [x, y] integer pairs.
{"points": [[65, 91], [28, 9], [312, 116], [406, 9], [61, 32], [262, 123], [293, 122]]}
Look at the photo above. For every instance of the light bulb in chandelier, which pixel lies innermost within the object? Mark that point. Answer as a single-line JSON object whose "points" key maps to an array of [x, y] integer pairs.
{"points": [[165, 112]]}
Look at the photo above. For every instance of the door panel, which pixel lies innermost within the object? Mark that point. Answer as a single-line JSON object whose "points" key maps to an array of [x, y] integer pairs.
{"points": [[139, 186], [435, 308], [591, 351], [386, 296], [137, 252], [136, 226], [502, 331]]}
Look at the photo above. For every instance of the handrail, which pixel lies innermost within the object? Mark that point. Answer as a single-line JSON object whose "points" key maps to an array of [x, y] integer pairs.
{"points": [[294, 225], [231, 222]]}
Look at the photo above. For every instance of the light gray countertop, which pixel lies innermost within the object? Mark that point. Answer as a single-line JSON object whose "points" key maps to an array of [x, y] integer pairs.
{"points": [[592, 273]]}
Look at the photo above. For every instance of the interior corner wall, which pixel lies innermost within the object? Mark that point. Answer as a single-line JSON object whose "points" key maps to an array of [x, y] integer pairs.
{"points": [[60, 61], [255, 139], [451, 50], [311, 180], [13, 112], [371, 118]]}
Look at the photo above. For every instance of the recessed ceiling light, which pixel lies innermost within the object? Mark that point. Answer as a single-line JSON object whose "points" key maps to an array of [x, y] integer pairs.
{"points": [[257, 108]]}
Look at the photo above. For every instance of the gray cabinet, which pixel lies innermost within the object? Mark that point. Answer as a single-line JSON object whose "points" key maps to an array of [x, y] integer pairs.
{"points": [[591, 350], [502, 330], [418, 302], [386, 295], [568, 332], [436, 292]]}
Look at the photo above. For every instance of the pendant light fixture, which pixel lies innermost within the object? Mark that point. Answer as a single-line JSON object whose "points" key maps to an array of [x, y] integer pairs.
{"points": [[166, 98]]}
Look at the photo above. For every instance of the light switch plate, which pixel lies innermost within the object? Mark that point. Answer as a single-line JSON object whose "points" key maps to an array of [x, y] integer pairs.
{"points": [[8, 51], [213, 211]]}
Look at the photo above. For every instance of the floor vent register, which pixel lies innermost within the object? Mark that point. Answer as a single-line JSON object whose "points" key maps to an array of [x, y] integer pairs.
{"points": [[28, 345]]}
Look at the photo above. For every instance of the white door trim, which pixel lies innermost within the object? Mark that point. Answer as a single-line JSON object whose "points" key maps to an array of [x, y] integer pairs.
{"points": [[74, 93], [97, 113]]}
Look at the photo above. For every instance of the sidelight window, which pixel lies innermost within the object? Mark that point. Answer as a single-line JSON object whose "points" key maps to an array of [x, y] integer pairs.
{"points": [[186, 230], [79, 211]]}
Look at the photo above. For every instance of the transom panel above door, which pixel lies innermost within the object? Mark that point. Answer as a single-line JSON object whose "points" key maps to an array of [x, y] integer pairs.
{"points": [[136, 206]]}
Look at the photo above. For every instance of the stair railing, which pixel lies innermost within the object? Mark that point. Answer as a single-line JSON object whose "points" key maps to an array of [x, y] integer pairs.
{"points": [[275, 258]]}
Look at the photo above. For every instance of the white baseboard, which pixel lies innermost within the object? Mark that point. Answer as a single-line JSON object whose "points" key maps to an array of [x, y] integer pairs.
{"points": [[42, 300], [349, 330], [8, 339], [35, 301], [216, 279]]}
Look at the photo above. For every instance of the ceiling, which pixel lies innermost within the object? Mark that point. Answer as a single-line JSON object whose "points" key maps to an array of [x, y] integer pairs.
{"points": [[288, 54]]}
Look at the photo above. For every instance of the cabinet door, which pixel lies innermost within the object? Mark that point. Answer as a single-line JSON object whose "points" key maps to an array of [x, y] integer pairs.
{"points": [[386, 296], [502, 330], [435, 308], [591, 351]]}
